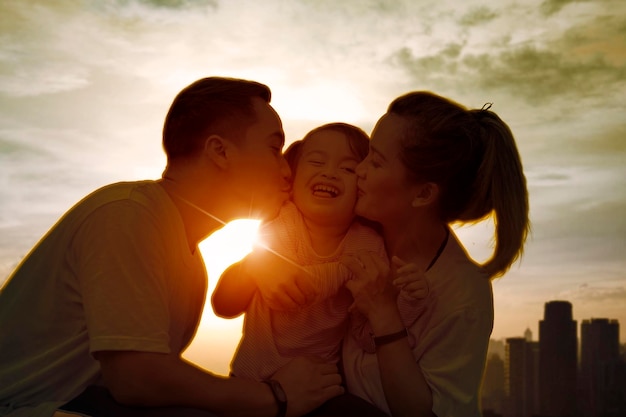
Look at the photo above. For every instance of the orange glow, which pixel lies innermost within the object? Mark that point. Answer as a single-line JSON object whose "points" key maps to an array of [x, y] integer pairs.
{"points": [[217, 338]]}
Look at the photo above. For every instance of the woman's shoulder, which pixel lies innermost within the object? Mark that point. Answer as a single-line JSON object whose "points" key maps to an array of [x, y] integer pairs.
{"points": [[457, 281]]}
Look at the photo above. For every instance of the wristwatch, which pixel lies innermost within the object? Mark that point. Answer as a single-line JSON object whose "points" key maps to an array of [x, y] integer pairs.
{"points": [[279, 395]]}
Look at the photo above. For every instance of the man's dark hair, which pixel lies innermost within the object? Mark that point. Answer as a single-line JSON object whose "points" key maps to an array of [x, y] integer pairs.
{"points": [[213, 105]]}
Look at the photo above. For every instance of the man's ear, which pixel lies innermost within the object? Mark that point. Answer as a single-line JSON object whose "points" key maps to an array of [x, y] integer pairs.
{"points": [[425, 194], [216, 149]]}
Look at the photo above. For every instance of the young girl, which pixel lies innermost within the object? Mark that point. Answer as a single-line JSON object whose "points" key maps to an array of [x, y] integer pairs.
{"points": [[315, 229]]}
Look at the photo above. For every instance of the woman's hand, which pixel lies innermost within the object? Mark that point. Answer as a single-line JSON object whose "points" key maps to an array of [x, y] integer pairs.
{"points": [[371, 284]]}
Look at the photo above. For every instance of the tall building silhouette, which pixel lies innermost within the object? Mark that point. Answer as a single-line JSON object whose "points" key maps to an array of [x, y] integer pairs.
{"points": [[521, 376], [492, 389], [528, 335], [600, 366], [557, 360]]}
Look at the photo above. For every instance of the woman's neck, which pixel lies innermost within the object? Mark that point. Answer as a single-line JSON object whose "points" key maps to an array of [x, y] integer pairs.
{"points": [[416, 242]]}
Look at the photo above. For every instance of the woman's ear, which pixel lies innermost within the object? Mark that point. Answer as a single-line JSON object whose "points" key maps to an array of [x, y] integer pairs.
{"points": [[425, 194], [216, 149]]}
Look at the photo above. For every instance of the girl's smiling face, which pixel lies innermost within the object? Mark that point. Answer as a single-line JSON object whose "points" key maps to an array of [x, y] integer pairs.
{"points": [[324, 183]]}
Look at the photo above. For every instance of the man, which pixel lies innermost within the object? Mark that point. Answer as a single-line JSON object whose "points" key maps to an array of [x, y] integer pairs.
{"points": [[95, 317]]}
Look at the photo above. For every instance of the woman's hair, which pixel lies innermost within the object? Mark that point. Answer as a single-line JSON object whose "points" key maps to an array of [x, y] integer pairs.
{"points": [[471, 155], [358, 141], [213, 105]]}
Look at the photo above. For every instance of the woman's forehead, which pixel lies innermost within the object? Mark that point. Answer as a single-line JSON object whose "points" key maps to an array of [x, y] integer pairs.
{"points": [[387, 133]]}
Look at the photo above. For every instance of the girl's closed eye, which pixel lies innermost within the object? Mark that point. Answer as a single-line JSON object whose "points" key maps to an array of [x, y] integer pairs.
{"points": [[351, 168]]}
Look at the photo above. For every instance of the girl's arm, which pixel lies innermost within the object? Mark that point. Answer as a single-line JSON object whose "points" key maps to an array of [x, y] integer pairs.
{"points": [[233, 292], [283, 284]]}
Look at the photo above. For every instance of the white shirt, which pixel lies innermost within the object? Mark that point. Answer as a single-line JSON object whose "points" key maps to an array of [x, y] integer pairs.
{"points": [[449, 338]]}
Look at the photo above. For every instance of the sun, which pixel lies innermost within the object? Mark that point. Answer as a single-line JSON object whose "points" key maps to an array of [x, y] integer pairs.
{"points": [[216, 339], [227, 246]]}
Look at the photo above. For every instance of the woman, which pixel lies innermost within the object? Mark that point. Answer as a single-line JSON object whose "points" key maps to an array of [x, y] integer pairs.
{"points": [[432, 163]]}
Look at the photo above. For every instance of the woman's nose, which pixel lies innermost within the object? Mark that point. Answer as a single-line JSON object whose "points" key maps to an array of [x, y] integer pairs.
{"points": [[360, 169]]}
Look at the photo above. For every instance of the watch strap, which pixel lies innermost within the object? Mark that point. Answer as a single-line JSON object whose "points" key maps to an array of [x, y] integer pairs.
{"points": [[388, 338], [279, 396]]}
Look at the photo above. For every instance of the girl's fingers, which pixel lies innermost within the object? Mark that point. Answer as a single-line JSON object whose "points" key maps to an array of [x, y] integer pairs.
{"points": [[407, 279], [407, 269], [353, 263], [397, 262]]}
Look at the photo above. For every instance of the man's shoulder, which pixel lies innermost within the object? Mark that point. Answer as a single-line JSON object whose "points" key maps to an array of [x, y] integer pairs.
{"points": [[146, 192], [118, 196], [126, 189]]}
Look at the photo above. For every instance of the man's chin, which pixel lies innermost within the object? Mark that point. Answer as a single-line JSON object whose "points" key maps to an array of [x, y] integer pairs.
{"points": [[269, 212]]}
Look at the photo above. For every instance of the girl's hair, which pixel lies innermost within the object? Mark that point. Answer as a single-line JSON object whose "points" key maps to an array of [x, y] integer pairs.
{"points": [[213, 105], [358, 141], [472, 156]]}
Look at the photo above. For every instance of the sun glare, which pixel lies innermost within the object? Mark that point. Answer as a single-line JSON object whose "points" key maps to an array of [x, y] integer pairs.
{"points": [[217, 338], [228, 245]]}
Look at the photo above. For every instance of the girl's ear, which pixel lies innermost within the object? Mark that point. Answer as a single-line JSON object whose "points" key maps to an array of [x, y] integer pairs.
{"points": [[425, 194], [217, 150]]}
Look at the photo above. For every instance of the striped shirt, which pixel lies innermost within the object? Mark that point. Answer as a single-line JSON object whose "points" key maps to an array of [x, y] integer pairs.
{"points": [[271, 338]]}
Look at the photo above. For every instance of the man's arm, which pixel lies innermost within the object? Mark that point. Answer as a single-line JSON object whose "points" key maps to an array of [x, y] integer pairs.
{"points": [[154, 380]]}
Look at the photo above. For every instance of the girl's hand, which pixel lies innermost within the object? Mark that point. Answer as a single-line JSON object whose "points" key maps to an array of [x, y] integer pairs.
{"points": [[371, 285], [409, 279]]}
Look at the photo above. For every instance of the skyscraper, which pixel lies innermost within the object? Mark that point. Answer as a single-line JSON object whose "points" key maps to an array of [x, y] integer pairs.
{"points": [[492, 389], [557, 360], [521, 377], [600, 365]]}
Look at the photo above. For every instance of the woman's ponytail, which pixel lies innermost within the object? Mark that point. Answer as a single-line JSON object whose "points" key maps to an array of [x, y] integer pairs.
{"points": [[501, 182]]}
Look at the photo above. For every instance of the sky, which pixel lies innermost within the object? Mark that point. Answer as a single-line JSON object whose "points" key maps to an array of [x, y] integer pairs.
{"points": [[85, 85]]}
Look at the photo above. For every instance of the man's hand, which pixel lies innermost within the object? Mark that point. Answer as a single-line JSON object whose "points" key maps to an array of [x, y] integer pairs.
{"points": [[283, 284], [308, 383]]}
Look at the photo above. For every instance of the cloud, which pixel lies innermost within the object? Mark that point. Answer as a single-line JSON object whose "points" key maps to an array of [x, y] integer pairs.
{"points": [[176, 4], [594, 292], [550, 7], [582, 57], [478, 16], [531, 72]]}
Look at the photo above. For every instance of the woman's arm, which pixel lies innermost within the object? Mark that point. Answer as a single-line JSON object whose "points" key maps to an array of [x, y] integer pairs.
{"points": [[406, 390]]}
